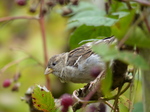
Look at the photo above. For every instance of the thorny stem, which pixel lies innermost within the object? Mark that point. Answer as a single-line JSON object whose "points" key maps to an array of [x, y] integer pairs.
{"points": [[42, 26]]}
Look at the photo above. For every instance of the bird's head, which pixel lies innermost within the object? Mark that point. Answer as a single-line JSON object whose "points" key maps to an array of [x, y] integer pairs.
{"points": [[55, 64]]}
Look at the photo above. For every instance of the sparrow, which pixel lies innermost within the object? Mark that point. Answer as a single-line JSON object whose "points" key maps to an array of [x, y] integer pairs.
{"points": [[75, 66]]}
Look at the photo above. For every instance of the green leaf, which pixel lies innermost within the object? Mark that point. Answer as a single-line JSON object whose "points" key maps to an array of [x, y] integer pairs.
{"points": [[88, 32], [107, 82], [139, 38], [90, 16], [133, 59], [106, 52], [91, 20], [43, 99], [122, 26], [121, 13], [110, 52], [82, 6]]}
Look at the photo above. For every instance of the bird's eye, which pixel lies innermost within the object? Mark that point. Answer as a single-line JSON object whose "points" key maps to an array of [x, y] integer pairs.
{"points": [[53, 64]]}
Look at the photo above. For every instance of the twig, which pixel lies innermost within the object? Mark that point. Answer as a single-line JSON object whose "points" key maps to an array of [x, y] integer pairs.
{"points": [[30, 55], [89, 101], [94, 88], [141, 2], [116, 100], [12, 63], [18, 17], [42, 26], [107, 103], [122, 41], [113, 97]]}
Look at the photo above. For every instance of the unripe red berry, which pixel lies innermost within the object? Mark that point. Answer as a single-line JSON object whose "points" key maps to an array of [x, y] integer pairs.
{"points": [[6, 83], [95, 71], [21, 2], [66, 101]]}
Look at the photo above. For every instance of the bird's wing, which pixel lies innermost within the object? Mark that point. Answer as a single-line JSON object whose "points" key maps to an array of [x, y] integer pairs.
{"points": [[78, 54], [81, 53]]}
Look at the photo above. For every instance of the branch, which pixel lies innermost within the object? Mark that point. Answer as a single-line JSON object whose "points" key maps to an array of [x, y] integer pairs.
{"points": [[141, 2], [124, 39], [18, 17], [12, 63], [42, 26]]}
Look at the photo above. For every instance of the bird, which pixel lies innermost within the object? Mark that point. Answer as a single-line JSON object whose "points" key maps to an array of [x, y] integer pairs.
{"points": [[75, 66]]}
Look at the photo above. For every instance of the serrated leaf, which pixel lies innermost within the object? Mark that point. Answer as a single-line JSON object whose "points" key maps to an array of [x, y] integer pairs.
{"points": [[95, 20], [88, 32], [43, 99], [90, 16], [83, 6], [109, 52]]}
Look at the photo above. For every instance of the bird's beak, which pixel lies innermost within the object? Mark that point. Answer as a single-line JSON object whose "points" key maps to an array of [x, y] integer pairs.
{"points": [[48, 71]]}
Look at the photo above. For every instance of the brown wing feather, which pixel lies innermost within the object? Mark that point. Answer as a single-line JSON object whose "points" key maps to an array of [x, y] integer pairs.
{"points": [[83, 51]]}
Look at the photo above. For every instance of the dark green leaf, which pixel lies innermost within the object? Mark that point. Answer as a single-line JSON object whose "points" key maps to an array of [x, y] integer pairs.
{"points": [[88, 32], [43, 99], [139, 38]]}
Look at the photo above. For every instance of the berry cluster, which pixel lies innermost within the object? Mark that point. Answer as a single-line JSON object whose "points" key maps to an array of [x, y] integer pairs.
{"points": [[48, 4], [8, 82]]}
